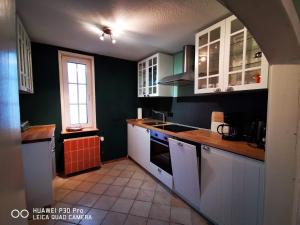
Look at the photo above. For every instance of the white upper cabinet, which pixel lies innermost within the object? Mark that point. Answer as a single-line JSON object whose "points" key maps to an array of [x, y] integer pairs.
{"points": [[228, 59], [209, 59], [246, 67], [150, 71], [24, 58]]}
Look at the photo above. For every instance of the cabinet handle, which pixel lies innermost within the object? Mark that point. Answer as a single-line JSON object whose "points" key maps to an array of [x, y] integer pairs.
{"points": [[147, 130], [159, 170], [144, 95], [229, 89], [206, 148], [179, 144]]}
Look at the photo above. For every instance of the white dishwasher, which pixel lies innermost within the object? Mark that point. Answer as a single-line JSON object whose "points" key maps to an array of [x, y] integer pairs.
{"points": [[185, 167]]}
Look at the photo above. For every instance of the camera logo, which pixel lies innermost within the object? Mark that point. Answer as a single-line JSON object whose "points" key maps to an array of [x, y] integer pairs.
{"points": [[17, 213]]}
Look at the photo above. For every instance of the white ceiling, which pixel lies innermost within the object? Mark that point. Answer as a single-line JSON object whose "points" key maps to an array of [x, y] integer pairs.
{"points": [[148, 25]]}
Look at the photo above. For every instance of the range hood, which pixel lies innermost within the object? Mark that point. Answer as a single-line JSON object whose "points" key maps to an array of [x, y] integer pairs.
{"points": [[187, 77]]}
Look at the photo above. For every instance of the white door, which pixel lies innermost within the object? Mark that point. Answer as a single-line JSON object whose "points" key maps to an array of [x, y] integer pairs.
{"points": [[185, 167]]}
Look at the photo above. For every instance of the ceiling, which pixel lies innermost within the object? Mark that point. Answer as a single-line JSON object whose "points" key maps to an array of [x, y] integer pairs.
{"points": [[147, 26]]}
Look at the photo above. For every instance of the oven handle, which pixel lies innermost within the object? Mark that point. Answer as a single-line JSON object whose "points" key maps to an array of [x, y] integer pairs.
{"points": [[161, 143]]}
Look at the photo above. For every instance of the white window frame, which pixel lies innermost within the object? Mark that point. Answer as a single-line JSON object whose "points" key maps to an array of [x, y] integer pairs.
{"points": [[65, 57]]}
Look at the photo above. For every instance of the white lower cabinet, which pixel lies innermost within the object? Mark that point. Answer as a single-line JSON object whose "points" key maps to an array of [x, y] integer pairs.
{"points": [[232, 188], [139, 145], [38, 173], [185, 167]]}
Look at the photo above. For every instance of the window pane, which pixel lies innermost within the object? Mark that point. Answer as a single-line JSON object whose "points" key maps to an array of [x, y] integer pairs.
{"points": [[252, 77], [253, 52], [215, 34], [81, 73], [236, 25], [73, 99], [235, 79], [202, 66], [72, 78], [203, 40], [214, 51], [236, 52], [82, 93], [74, 114], [82, 114]]}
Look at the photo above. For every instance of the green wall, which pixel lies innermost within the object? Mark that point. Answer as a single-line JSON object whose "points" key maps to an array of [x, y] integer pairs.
{"points": [[116, 90]]}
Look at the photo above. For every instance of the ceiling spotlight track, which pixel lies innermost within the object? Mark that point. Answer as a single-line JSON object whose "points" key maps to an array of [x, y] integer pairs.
{"points": [[106, 31]]}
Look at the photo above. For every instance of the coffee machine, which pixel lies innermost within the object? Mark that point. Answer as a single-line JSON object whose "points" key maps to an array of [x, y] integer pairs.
{"points": [[233, 127]]}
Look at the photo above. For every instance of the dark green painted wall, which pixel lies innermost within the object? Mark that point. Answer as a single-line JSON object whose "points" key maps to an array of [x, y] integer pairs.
{"points": [[115, 84]]}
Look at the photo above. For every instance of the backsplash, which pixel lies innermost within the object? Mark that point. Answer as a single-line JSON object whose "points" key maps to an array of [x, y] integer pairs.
{"points": [[196, 110]]}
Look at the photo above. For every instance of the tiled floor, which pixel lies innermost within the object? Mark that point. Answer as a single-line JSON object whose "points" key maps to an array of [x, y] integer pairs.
{"points": [[121, 193]]}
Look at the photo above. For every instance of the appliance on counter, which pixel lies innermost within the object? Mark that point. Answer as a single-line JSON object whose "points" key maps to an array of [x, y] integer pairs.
{"points": [[233, 128], [256, 134], [159, 151], [187, 77]]}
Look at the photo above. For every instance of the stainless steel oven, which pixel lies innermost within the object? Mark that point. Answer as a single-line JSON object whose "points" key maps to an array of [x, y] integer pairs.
{"points": [[159, 151]]}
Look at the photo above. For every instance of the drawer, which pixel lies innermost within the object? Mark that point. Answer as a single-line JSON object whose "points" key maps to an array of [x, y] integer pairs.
{"points": [[161, 175]]}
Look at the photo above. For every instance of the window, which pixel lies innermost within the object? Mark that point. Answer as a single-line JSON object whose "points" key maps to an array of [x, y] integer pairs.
{"points": [[77, 90]]}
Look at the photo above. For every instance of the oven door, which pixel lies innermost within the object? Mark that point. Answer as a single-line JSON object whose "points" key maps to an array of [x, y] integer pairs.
{"points": [[160, 154]]}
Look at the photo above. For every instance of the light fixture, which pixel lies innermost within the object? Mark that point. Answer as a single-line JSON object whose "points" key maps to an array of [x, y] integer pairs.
{"points": [[106, 31]]}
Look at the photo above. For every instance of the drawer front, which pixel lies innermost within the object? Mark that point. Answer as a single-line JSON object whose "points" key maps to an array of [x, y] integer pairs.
{"points": [[161, 175]]}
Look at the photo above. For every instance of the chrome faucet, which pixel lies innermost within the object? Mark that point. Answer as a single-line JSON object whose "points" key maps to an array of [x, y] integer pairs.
{"points": [[161, 113]]}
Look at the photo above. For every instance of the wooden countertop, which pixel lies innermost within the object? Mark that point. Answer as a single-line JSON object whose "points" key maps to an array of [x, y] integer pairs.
{"points": [[212, 139], [38, 134]]}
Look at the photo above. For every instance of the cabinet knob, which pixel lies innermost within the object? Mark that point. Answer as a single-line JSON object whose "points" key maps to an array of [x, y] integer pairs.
{"points": [[144, 95], [218, 90], [147, 130], [148, 95], [179, 144], [206, 148], [159, 170]]}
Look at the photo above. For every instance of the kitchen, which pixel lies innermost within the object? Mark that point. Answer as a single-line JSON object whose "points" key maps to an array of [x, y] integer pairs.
{"points": [[237, 181]]}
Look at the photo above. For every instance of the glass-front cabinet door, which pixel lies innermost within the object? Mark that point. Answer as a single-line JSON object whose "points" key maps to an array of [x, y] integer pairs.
{"points": [[209, 54], [142, 79], [152, 76], [245, 65]]}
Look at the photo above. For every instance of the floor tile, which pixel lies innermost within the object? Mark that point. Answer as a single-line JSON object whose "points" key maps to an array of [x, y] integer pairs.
{"points": [[63, 223], [181, 216], [114, 173], [134, 183], [156, 222], [126, 174], [99, 188], [114, 191], [129, 193], [122, 205], [135, 220], [97, 217], [145, 195], [132, 168], [71, 184], [105, 202], [162, 198], [162, 188], [73, 197], [149, 185], [85, 186], [88, 199], [177, 202], [160, 212], [60, 193], [140, 208], [138, 175], [120, 166], [102, 170], [79, 210], [107, 179], [114, 218], [41, 222], [121, 181], [94, 178], [80, 177], [58, 181]]}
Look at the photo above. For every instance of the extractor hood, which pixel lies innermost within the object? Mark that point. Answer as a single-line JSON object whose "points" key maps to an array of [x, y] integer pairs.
{"points": [[187, 77]]}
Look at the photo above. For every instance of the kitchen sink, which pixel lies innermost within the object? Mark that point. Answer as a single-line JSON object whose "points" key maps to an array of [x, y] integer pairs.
{"points": [[154, 123]]}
